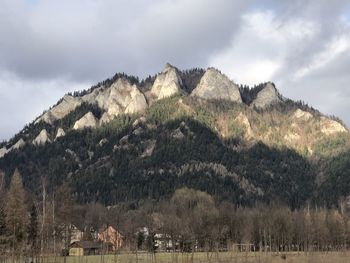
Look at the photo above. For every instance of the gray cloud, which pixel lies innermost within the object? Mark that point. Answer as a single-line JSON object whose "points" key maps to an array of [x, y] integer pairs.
{"points": [[90, 39], [50, 47]]}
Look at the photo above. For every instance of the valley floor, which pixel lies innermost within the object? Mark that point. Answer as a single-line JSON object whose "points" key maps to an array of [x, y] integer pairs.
{"points": [[223, 257]]}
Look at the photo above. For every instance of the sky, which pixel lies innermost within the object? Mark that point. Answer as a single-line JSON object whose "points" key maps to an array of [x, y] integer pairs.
{"points": [[49, 48]]}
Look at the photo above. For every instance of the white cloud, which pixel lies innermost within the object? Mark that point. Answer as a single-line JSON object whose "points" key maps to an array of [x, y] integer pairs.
{"points": [[305, 53], [261, 46]]}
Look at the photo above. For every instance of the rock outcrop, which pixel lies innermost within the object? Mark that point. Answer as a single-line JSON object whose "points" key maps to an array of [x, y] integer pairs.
{"points": [[121, 97], [42, 138], [59, 111], [139, 121], [3, 151], [149, 148], [167, 83], [215, 85], [302, 115], [266, 97], [330, 127], [87, 121], [18, 145], [60, 133]]}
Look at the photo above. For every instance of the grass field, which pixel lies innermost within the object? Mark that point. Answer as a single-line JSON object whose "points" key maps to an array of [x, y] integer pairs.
{"points": [[224, 257]]}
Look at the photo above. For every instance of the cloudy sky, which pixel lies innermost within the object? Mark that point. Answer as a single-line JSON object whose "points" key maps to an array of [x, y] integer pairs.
{"points": [[48, 48]]}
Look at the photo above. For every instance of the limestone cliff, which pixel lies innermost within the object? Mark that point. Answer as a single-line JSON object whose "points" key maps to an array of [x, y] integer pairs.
{"points": [[267, 97], [120, 97], [215, 85], [59, 111], [60, 133], [42, 138], [18, 145], [167, 83], [87, 121]]}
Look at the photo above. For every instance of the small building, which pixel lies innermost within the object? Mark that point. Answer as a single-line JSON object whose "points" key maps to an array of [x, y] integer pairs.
{"points": [[85, 248], [75, 234], [112, 236]]}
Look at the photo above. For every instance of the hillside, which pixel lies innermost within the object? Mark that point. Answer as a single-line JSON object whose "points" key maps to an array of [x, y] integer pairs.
{"points": [[130, 140]]}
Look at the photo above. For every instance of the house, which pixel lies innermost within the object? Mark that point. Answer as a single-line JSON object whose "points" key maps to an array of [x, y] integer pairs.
{"points": [[112, 236], [75, 234], [84, 248], [163, 242]]}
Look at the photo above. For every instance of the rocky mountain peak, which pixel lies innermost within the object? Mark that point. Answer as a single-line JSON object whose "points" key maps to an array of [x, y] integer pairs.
{"points": [[167, 83], [168, 66], [267, 97], [215, 85], [122, 97]]}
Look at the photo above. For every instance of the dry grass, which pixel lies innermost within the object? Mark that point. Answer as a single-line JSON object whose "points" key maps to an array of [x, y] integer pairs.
{"points": [[224, 257]]}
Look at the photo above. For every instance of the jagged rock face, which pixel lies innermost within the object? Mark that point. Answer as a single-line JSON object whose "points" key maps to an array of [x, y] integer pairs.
{"points": [[167, 83], [330, 127], [302, 115], [121, 97], [87, 121], [266, 97], [60, 133], [214, 85], [42, 138], [67, 105]]}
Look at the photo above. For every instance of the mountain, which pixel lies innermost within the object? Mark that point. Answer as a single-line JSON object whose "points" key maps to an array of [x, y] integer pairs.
{"points": [[127, 140]]}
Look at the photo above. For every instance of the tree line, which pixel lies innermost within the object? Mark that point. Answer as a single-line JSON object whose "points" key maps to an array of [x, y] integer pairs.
{"points": [[189, 221]]}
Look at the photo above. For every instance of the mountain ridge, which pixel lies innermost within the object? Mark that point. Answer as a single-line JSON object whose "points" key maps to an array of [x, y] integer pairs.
{"points": [[124, 95], [194, 128]]}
